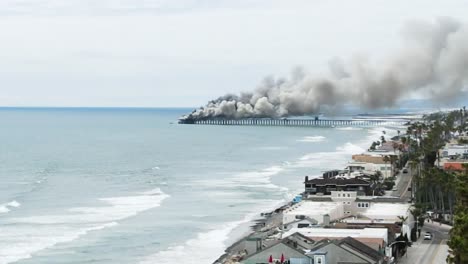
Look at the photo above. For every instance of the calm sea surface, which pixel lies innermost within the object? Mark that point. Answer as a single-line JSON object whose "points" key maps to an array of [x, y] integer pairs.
{"points": [[132, 186]]}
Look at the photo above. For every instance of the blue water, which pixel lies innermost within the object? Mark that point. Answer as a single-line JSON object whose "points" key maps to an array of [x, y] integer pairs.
{"points": [[132, 186]]}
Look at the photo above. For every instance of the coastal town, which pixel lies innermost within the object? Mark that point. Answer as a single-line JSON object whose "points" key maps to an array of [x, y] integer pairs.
{"points": [[395, 203]]}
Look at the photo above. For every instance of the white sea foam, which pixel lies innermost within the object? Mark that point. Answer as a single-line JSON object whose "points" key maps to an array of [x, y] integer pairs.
{"points": [[21, 242], [272, 148], [25, 236], [6, 207], [350, 148], [13, 203], [249, 179], [312, 139], [349, 128], [339, 158], [207, 246]]}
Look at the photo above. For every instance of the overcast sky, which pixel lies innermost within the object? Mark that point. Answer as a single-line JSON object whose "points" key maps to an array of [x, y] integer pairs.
{"points": [[159, 53]]}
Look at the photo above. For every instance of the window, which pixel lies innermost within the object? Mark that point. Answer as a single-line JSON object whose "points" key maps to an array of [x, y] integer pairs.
{"points": [[349, 202], [349, 195], [319, 259], [367, 205], [344, 202], [359, 205], [339, 195]]}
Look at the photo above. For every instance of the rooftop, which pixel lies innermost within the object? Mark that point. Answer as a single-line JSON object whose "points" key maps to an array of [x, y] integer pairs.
{"points": [[331, 233], [307, 207], [359, 246], [387, 211], [340, 182]]}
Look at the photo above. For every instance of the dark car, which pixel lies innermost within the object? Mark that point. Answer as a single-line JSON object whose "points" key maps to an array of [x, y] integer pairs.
{"points": [[405, 170]]}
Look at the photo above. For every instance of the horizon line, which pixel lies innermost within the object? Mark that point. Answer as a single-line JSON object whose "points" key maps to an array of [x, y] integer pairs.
{"points": [[96, 107]]}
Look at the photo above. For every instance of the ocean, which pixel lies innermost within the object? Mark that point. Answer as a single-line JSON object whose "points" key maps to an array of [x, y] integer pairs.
{"points": [[88, 185]]}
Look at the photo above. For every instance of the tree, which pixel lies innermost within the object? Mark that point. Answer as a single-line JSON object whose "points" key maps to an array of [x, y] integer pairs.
{"points": [[459, 234]]}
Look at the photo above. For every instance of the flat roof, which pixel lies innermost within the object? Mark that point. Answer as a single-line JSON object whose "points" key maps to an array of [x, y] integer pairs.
{"points": [[387, 211], [354, 220], [312, 207], [338, 182], [340, 232]]}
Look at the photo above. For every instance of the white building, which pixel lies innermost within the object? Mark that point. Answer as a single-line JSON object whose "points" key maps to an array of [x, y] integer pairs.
{"points": [[313, 210], [352, 204], [454, 150], [367, 167], [387, 211]]}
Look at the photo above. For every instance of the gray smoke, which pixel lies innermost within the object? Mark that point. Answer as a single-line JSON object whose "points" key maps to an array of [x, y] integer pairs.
{"points": [[433, 61]]}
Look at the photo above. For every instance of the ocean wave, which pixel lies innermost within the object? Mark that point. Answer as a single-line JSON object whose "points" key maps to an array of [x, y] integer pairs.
{"points": [[19, 243], [312, 139], [272, 148], [249, 179], [6, 207], [349, 128], [207, 246], [350, 148], [49, 230]]}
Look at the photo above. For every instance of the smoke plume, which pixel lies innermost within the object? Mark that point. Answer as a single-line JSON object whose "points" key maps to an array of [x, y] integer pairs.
{"points": [[433, 60]]}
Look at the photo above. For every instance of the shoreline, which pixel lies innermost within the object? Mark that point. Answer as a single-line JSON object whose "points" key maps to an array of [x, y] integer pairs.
{"points": [[259, 226], [266, 223]]}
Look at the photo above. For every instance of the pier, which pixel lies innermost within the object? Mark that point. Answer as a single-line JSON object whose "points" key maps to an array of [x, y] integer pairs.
{"points": [[297, 122]]}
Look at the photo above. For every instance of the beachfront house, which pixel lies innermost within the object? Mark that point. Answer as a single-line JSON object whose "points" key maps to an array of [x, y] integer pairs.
{"points": [[371, 164], [286, 250], [302, 222], [290, 250], [346, 250], [375, 238], [319, 212], [319, 186]]}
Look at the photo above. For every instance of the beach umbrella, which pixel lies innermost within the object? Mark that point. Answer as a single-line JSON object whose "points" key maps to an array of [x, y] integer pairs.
{"points": [[282, 258], [270, 260]]}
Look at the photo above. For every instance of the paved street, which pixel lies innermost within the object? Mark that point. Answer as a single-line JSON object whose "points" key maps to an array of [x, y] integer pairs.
{"points": [[403, 182], [433, 251]]}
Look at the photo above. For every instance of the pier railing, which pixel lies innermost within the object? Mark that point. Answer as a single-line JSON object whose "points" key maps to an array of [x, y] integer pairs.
{"points": [[297, 122]]}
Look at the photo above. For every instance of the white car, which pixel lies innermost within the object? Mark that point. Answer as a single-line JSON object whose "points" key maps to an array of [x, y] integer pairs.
{"points": [[427, 236]]}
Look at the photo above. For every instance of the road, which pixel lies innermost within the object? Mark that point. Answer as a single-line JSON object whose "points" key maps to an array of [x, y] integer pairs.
{"points": [[403, 182], [433, 251]]}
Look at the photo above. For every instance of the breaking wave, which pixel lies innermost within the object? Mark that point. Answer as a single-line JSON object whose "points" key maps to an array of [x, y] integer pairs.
{"points": [[25, 236], [312, 139], [6, 207]]}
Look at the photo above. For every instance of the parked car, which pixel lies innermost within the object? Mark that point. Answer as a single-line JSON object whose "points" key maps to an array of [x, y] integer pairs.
{"points": [[427, 236], [405, 170]]}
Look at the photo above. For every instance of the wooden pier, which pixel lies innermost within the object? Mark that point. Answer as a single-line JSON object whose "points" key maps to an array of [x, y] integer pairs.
{"points": [[298, 122]]}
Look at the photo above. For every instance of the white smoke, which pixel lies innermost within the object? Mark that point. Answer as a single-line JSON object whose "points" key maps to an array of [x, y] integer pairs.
{"points": [[433, 61]]}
